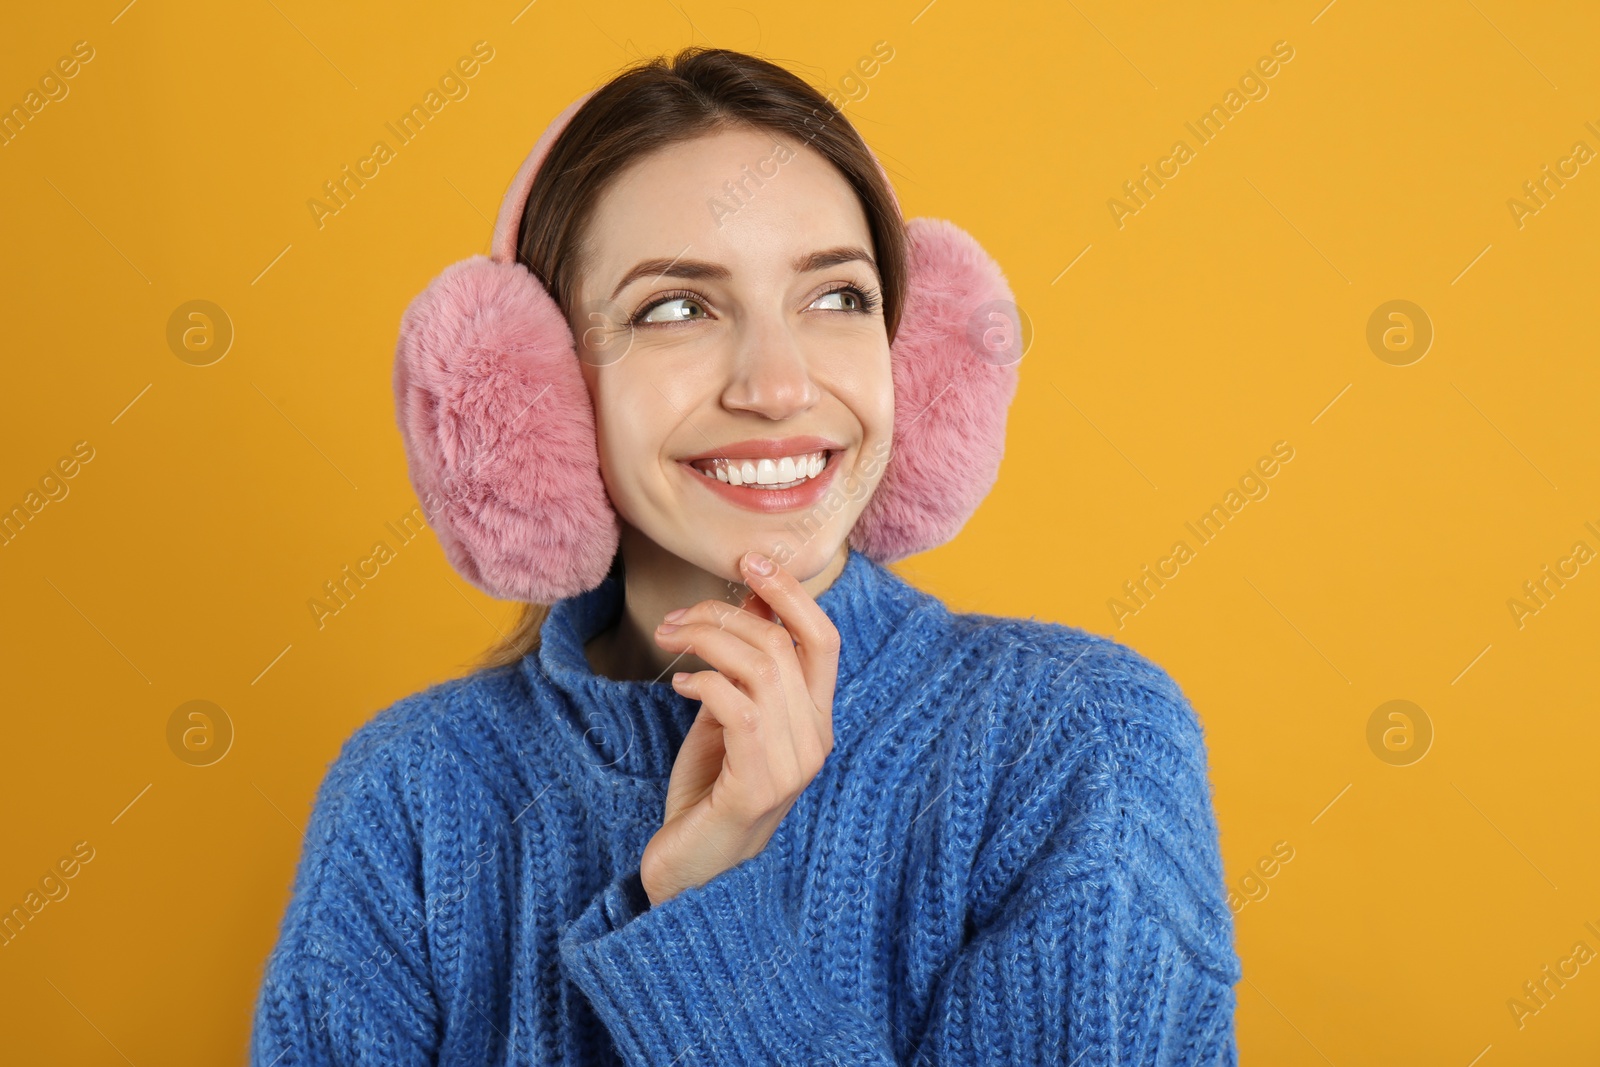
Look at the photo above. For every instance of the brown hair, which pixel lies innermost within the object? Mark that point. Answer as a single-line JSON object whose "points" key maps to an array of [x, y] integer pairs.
{"points": [[661, 102]]}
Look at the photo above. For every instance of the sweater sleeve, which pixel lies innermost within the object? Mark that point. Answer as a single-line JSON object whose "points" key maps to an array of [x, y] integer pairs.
{"points": [[1112, 944], [348, 982]]}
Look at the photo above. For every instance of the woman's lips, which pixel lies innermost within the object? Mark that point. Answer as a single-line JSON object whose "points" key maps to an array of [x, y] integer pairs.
{"points": [[767, 501]]}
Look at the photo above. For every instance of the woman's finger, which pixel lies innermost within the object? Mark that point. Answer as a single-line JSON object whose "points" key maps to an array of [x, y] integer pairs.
{"points": [[760, 772], [751, 620], [810, 730], [756, 606], [816, 638], [755, 664], [730, 646]]}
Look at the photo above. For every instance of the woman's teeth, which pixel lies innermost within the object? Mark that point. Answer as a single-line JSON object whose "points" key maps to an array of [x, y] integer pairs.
{"points": [[785, 473]]}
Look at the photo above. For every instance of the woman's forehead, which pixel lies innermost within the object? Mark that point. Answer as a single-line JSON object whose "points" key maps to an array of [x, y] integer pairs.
{"points": [[737, 200], [735, 196]]}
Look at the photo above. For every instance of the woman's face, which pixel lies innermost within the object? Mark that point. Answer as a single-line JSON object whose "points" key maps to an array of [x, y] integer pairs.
{"points": [[737, 342]]}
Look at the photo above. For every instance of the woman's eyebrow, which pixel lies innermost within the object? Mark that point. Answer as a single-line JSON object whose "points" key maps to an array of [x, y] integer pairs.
{"points": [[699, 268]]}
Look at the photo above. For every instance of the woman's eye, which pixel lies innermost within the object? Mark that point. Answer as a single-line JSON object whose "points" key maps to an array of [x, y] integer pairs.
{"points": [[676, 307], [649, 316], [850, 298]]}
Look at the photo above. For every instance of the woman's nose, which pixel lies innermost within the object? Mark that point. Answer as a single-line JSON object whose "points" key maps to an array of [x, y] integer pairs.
{"points": [[769, 373]]}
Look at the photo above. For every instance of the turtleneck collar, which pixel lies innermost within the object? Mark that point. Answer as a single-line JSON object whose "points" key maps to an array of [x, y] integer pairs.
{"points": [[635, 728]]}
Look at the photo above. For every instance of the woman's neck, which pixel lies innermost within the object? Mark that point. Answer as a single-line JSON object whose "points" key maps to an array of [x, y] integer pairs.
{"points": [[655, 582]]}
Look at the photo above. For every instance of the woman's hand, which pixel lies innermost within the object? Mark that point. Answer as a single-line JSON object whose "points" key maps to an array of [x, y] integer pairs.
{"points": [[765, 727]]}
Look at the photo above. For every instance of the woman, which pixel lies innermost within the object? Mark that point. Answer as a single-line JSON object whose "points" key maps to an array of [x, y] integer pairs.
{"points": [[854, 826]]}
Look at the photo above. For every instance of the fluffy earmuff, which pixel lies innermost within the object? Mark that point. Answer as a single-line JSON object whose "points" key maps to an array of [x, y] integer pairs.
{"points": [[499, 428], [500, 434], [954, 362]]}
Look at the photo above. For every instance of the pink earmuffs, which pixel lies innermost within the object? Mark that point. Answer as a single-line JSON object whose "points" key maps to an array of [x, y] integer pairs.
{"points": [[499, 429]]}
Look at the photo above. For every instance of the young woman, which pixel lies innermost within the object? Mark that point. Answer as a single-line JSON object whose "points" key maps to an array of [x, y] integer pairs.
{"points": [[709, 383]]}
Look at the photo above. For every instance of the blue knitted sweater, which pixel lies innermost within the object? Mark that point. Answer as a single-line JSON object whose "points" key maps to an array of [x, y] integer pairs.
{"points": [[1009, 857]]}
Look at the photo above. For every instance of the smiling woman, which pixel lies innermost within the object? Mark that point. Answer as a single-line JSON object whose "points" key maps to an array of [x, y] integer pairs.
{"points": [[665, 137], [855, 826]]}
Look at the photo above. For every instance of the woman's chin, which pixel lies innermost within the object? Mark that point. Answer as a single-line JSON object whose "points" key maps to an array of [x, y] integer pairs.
{"points": [[719, 551]]}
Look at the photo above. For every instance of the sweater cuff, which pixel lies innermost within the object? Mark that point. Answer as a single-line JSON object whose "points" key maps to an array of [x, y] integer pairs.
{"points": [[623, 899], [712, 975]]}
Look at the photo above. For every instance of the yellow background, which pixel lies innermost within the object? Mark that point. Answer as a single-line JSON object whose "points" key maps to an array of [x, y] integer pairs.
{"points": [[1229, 313]]}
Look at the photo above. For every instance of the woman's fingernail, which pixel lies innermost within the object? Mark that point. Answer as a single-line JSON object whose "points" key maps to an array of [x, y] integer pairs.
{"points": [[675, 614], [677, 679], [761, 564], [665, 628]]}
